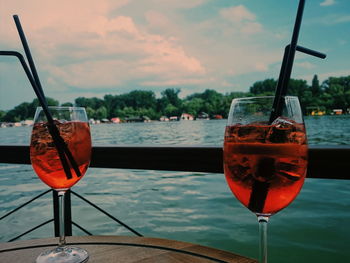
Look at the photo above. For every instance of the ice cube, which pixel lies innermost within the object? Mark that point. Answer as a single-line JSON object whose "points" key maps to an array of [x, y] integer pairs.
{"points": [[240, 173], [280, 130], [252, 133], [239, 170], [283, 123], [66, 131], [41, 139]]}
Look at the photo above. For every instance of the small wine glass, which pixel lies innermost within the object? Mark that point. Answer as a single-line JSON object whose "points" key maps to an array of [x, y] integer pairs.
{"points": [[265, 162], [60, 153]]}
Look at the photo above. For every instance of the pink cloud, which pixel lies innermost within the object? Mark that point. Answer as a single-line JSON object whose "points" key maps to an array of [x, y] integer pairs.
{"points": [[242, 18], [238, 14], [93, 40]]}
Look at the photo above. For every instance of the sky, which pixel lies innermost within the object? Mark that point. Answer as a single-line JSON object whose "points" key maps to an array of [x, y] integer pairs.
{"points": [[91, 48]]}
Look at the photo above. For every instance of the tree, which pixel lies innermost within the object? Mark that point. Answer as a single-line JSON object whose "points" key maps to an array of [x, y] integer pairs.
{"points": [[171, 96], [212, 101], [2, 114], [26, 110], [315, 86], [342, 81], [93, 103], [140, 99], [171, 110], [20, 112], [337, 90], [299, 88], [67, 104], [264, 88], [193, 106], [332, 93], [90, 113], [35, 103], [109, 104], [100, 113], [126, 112]]}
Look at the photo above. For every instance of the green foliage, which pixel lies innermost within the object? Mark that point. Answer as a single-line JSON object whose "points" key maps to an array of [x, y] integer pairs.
{"points": [[171, 110], [90, 112], [315, 86], [67, 104], [25, 110], [100, 113], [210, 102], [171, 96], [93, 103], [264, 88], [333, 93], [193, 106]]}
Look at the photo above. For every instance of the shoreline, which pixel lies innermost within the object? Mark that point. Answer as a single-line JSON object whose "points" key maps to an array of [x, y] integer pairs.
{"points": [[25, 123]]}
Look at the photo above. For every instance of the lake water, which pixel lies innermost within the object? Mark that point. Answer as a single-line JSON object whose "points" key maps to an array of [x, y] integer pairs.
{"points": [[194, 207]]}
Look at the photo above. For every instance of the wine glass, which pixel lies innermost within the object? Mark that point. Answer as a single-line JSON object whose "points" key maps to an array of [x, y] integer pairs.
{"points": [[265, 163], [61, 161]]}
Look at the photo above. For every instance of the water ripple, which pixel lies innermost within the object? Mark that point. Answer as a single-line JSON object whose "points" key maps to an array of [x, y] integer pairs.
{"points": [[194, 207]]}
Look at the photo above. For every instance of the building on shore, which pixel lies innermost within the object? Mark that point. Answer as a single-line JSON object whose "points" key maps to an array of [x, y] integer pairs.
{"points": [[203, 116], [186, 117]]}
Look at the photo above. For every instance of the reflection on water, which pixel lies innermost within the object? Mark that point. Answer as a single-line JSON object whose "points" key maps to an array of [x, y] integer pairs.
{"points": [[193, 207], [184, 132], [331, 130]]}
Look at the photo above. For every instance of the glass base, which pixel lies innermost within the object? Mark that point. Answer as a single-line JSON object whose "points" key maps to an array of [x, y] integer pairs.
{"points": [[64, 255]]}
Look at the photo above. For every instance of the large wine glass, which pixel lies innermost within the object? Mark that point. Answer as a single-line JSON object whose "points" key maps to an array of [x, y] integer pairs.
{"points": [[265, 160], [60, 165]]}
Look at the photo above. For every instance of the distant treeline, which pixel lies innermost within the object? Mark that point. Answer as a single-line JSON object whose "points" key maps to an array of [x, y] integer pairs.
{"points": [[333, 93]]}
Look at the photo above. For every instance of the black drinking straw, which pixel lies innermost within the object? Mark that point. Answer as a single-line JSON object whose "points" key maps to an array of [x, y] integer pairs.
{"points": [[42, 101], [287, 65], [260, 189], [61, 146], [28, 54]]}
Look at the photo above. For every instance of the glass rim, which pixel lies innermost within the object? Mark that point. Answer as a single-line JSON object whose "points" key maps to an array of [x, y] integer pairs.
{"points": [[62, 107], [264, 97]]}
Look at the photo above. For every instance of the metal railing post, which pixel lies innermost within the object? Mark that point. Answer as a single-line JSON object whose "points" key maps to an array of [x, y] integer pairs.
{"points": [[67, 214], [56, 220]]}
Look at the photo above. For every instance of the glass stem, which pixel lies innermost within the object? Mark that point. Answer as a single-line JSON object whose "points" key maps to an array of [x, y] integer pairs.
{"points": [[263, 238], [62, 240]]}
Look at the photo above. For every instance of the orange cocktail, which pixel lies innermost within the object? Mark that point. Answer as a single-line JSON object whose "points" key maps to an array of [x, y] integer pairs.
{"points": [[274, 157], [45, 158]]}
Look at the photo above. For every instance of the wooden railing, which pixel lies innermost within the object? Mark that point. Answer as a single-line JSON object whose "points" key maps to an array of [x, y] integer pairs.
{"points": [[327, 162]]}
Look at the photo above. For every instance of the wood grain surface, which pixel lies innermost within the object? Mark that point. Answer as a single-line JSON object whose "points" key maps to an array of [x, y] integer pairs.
{"points": [[124, 249]]}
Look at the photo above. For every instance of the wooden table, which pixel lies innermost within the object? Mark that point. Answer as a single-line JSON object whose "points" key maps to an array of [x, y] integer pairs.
{"points": [[125, 249]]}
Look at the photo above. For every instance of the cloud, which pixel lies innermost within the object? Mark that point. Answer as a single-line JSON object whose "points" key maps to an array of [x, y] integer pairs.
{"points": [[342, 19], [157, 19], [251, 28], [143, 44], [326, 75], [93, 49], [238, 14], [122, 52], [242, 18], [305, 65], [260, 66], [330, 19], [327, 3], [174, 82], [171, 4]]}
